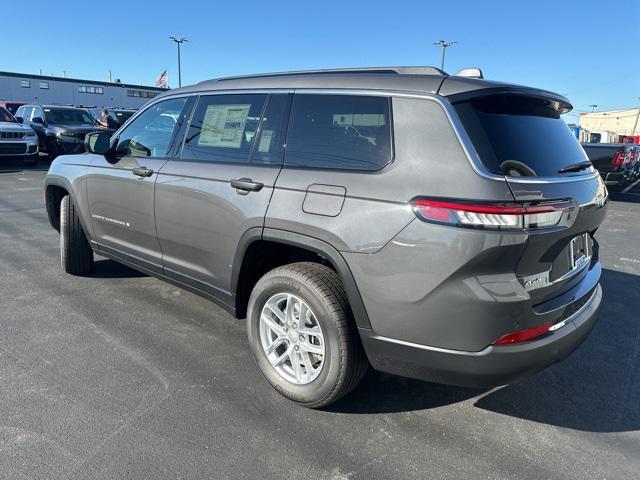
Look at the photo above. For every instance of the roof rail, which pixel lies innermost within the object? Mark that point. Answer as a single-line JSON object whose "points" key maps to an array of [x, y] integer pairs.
{"points": [[416, 70]]}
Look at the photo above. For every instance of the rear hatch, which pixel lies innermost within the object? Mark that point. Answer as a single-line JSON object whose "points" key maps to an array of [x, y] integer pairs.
{"points": [[521, 136]]}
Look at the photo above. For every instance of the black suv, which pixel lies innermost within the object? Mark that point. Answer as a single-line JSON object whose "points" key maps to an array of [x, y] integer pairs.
{"points": [[60, 129]]}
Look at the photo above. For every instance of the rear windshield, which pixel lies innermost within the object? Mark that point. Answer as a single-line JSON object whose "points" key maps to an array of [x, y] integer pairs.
{"points": [[520, 136]]}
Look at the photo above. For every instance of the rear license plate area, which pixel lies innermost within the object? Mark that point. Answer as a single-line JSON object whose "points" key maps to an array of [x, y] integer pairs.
{"points": [[579, 251]]}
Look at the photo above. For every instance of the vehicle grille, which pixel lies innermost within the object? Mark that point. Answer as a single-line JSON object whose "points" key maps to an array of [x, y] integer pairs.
{"points": [[13, 148], [11, 135]]}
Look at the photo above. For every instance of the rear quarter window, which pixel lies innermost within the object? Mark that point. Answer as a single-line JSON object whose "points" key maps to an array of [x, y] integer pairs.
{"points": [[520, 136], [345, 132]]}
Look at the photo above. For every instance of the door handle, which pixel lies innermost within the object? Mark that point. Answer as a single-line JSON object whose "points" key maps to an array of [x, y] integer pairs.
{"points": [[142, 171], [246, 185]]}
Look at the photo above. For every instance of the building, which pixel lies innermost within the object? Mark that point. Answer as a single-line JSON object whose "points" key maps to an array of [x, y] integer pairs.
{"points": [[620, 122], [21, 87]]}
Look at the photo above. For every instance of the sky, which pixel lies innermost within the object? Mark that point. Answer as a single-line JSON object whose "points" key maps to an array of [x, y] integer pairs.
{"points": [[582, 49]]}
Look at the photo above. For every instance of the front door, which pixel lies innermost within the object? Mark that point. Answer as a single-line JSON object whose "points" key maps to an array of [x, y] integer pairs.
{"points": [[120, 187], [220, 186]]}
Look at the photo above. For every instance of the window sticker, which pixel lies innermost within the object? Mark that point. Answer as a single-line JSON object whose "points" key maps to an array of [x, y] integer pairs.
{"points": [[265, 141], [223, 126]]}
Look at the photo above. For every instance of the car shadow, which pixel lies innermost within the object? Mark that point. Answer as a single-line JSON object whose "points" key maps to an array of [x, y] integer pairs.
{"points": [[107, 268], [597, 389], [11, 165]]}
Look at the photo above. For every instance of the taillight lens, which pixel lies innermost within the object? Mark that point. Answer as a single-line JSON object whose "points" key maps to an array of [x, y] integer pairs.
{"points": [[497, 216], [524, 335], [618, 159]]}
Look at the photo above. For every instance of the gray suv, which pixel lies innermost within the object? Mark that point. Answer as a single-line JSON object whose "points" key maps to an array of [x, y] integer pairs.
{"points": [[432, 226]]}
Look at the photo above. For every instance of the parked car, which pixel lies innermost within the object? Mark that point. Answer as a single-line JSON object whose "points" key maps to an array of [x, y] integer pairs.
{"points": [[408, 223], [11, 106], [60, 129], [616, 162], [17, 141]]}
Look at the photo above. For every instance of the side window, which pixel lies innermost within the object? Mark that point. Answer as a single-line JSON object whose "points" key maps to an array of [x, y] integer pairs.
{"points": [[20, 112], [223, 128], [150, 134], [346, 132], [269, 146]]}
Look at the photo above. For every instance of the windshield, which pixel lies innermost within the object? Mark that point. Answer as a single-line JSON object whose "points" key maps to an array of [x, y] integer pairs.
{"points": [[5, 116], [520, 136], [67, 116]]}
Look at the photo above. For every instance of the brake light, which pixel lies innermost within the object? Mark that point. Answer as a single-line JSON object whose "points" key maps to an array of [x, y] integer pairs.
{"points": [[524, 335], [618, 159], [632, 155], [500, 216]]}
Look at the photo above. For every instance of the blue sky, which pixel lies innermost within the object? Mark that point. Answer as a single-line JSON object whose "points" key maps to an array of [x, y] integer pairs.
{"points": [[578, 48]]}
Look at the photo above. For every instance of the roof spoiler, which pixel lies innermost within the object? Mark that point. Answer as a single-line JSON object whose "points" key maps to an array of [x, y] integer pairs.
{"points": [[469, 73]]}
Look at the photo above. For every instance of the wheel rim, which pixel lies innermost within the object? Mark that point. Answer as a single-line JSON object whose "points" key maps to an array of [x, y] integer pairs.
{"points": [[292, 338]]}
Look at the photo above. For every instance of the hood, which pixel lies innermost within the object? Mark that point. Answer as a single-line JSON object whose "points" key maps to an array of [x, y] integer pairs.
{"points": [[14, 127]]}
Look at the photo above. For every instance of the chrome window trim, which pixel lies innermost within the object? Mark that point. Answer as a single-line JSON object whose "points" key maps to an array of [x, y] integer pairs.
{"points": [[452, 116]]}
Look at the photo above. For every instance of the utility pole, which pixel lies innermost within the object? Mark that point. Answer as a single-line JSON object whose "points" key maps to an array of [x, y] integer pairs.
{"points": [[635, 126], [179, 41], [593, 107], [110, 76], [444, 45]]}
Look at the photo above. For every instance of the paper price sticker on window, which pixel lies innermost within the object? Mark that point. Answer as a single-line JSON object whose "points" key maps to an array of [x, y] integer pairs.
{"points": [[223, 126]]}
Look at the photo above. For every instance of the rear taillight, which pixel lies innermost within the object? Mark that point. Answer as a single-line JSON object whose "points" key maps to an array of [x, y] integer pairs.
{"points": [[618, 159], [524, 335], [632, 155], [498, 216]]}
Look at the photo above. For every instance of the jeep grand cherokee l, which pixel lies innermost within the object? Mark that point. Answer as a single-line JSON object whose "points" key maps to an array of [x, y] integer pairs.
{"points": [[17, 141], [61, 130], [394, 217]]}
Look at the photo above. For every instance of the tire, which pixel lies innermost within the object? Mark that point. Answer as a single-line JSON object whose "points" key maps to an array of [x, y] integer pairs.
{"points": [[318, 288], [76, 256]]}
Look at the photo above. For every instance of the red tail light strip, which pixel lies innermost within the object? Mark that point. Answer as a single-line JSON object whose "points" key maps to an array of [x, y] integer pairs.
{"points": [[524, 335]]}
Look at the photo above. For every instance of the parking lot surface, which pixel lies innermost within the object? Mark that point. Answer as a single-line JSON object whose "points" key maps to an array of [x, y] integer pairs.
{"points": [[120, 375]]}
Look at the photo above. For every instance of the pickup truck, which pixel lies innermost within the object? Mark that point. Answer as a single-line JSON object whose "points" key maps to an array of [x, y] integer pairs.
{"points": [[616, 162]]}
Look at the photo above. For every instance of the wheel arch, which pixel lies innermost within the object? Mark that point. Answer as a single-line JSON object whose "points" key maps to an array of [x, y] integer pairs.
{"points": [[54, 189], [317, 250]]}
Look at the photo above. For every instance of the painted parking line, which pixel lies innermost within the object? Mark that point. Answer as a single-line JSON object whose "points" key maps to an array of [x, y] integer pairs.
{"points": [[631, 186]]}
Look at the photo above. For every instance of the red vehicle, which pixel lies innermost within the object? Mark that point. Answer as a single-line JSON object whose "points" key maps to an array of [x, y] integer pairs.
{"points": [[12, 106], [631, 139]]}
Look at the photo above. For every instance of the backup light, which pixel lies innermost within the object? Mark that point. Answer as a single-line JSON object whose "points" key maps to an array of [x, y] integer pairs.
{"points": [[497, 216]]}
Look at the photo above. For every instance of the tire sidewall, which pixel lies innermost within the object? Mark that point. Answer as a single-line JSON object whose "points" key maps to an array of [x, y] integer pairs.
{"points": [[327, 381]]}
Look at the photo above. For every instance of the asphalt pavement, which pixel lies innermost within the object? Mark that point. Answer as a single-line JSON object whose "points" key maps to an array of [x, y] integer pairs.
{"points": [[119, 375]]}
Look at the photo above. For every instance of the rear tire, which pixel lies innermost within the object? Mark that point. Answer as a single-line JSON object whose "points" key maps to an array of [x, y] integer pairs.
{"points": [[317, 290], [76, 256]]}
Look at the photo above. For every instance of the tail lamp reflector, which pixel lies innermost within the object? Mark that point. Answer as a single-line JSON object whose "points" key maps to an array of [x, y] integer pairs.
{"points": [[501, 216], [618, 159], [524, 335]]}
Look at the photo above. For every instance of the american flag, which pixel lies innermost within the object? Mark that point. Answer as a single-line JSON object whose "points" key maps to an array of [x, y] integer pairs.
{"points": [[162, 80]]}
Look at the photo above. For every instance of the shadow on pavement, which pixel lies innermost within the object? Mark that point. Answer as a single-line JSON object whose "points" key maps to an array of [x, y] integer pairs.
{"points": [[596, 389], [13, 165], [111, 269]]}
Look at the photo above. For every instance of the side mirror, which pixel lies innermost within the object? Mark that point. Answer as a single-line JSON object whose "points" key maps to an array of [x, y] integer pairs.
{"points": [[39, 120], [97, 142], [19, 119]]}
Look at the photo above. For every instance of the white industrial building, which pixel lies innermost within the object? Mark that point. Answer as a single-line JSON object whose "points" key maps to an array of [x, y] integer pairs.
{"points": [[21, 87]]}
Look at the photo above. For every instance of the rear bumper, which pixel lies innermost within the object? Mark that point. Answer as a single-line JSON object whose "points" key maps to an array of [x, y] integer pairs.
{"points": [[493, 366]]}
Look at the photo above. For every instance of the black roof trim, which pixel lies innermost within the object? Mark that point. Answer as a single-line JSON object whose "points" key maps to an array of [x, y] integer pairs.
{"points": [[410, 70], [78, 80]]}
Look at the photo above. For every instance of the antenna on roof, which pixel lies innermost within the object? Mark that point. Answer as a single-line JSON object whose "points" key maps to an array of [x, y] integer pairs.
{"points": [[469, 73]]}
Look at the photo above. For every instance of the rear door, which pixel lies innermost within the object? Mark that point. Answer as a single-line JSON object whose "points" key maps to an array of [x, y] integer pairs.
{"points": [[524, 139], [220, 186], [121, 187]]}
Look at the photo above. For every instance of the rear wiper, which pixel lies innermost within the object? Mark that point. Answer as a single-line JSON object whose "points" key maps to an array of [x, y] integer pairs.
{"points": [[576, 167]]}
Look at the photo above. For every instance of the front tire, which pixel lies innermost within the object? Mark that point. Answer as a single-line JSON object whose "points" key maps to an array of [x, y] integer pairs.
{"points": [[76, 256], [302, 336]]}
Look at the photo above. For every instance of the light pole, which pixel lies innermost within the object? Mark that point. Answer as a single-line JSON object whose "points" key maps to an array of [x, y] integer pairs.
{"points": [[593, 107], [444, 45], [179, 41]]}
